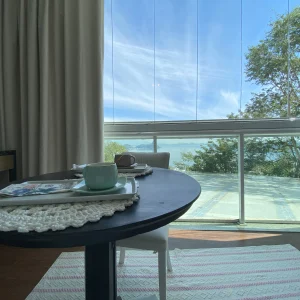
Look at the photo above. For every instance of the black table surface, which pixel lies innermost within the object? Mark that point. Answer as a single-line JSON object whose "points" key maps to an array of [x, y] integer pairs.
{"points": [[164, 196]]}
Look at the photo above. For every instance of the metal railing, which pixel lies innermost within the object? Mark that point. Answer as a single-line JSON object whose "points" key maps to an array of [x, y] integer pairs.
{"points": [[209, 129]]}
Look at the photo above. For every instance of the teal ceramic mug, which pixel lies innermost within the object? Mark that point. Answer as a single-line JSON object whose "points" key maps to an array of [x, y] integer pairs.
{"points": [[100, 176]]}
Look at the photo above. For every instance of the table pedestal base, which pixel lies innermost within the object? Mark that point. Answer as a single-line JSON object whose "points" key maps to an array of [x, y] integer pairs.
{"points": [[100, 272]]}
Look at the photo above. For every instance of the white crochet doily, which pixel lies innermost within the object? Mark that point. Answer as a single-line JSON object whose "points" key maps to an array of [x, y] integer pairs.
{"points": [[58, 216]]}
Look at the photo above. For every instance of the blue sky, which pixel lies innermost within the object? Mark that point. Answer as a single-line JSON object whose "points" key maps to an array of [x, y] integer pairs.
{"points": [[136, 94]]}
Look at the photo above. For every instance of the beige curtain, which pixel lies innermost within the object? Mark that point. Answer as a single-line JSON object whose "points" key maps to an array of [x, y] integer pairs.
{"points": [[51, 62]]}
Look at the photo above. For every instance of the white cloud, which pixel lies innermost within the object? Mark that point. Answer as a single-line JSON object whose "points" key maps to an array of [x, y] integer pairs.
{"points": [[175, 72], [232, 98]]}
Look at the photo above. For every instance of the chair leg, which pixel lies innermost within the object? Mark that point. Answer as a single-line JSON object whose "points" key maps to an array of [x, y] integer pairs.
{"points": [[162, 274], [122, 255], [169, 265]]}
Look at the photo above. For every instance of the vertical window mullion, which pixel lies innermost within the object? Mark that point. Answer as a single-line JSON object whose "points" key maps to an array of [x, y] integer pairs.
{"points": [[241, 149]]}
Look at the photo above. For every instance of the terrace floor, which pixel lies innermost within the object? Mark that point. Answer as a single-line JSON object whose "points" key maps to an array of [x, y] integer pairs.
{"points": [[266, 198]]}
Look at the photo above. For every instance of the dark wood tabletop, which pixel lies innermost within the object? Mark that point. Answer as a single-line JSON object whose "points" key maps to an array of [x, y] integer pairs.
{"points": [[164, 196]]}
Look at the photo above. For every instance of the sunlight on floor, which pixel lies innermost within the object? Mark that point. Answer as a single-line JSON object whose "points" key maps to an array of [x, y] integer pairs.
{"points": [[218, 235]]}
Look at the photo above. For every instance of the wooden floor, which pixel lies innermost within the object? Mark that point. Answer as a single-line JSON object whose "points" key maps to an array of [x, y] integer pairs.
{"points": [[21, 269]]}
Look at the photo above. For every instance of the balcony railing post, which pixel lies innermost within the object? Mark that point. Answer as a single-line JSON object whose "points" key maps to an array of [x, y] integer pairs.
{"points": [[241, 178], [155, 144]]}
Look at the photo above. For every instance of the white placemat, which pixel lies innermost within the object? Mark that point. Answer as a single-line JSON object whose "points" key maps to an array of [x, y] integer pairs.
{"points": [[58, 216]]}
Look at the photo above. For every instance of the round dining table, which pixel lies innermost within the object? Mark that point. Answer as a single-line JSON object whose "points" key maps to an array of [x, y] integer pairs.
{"points": [[165, 195]]}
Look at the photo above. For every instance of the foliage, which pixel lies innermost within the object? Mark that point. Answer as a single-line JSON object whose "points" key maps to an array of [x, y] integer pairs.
{"points": [[216, 157], [112, 148], [263, 156], [274, 65], [186, 158]]}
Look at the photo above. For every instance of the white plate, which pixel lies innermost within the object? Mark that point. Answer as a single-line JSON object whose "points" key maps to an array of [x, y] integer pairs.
{"points": [[81, 188]]}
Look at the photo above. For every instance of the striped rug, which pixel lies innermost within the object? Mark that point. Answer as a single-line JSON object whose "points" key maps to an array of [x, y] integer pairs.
{"points": [[247, 273]]}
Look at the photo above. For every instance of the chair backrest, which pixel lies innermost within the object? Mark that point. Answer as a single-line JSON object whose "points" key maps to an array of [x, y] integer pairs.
{"points": [[159, 160]]}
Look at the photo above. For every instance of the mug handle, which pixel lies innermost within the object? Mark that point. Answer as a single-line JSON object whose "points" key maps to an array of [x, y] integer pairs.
{"points": [[132, 159]]}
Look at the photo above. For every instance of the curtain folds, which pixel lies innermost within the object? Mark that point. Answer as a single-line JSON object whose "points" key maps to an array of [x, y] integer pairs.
{"points": [[51, 63]]}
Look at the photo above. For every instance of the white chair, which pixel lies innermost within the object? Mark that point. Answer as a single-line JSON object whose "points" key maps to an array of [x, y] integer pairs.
{"points": [[156, 240]]}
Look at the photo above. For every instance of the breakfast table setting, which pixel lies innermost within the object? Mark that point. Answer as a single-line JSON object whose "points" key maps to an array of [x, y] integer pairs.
{"points": [[94, 205]]}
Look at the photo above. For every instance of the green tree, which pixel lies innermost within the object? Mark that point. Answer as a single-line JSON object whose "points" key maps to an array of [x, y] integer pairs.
{"points": [[186, 159], [274, 65], [112, 148], [216, 157], [221, 156]]}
